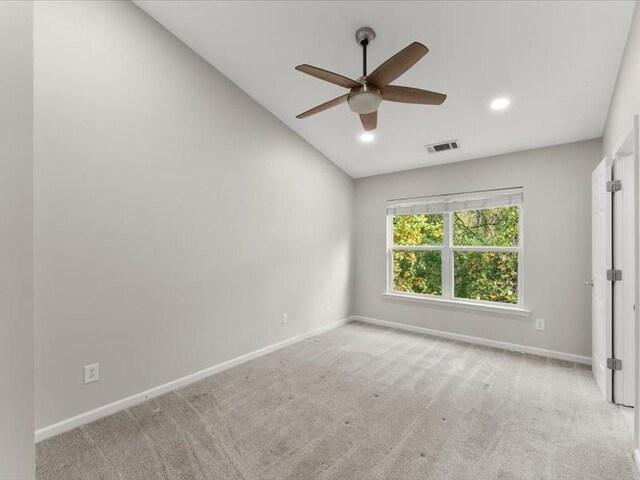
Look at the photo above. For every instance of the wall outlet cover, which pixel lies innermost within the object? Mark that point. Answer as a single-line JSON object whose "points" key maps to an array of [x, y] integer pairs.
{"points": [[91, 373], [285, 318], [539, 323]]}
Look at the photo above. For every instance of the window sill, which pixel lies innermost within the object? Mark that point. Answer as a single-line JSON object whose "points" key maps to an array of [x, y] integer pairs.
{"points": [[481, 307]]}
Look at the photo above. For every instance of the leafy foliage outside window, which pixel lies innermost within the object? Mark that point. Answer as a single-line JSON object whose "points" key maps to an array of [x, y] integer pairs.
{"points": [[496, 227], [418, 229], [488, 276], [417, 272], [491, 276], [421, 245]]}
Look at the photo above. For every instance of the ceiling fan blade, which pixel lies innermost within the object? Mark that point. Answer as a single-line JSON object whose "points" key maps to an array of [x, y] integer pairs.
{"points": [[369, 120], [397, 65], [328, 76], [324, 106], [395, 93]]}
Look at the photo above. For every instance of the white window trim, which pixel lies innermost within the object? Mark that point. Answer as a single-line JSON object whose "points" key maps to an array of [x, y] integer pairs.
{"points": [[447, 248]]}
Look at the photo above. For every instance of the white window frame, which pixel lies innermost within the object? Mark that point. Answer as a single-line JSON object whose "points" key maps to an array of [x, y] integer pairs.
{"points": [[448, 249]]}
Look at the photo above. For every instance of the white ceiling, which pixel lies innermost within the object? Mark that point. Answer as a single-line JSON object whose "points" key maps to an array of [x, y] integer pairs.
{"points": [[557, 61]]}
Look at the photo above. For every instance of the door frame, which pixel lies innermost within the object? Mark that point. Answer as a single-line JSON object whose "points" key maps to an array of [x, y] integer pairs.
{"points": [[624, 258], [631, 142]]}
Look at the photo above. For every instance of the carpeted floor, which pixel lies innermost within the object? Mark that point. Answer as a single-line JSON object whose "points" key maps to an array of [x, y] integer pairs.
{"points": [[362, 402]]}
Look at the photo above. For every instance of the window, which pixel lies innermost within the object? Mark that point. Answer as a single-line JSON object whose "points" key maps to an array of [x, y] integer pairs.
{"points": [[464, 247]]}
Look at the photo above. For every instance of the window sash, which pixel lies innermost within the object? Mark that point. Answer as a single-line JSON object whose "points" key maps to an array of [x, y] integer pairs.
{"points": [[448, 250]]}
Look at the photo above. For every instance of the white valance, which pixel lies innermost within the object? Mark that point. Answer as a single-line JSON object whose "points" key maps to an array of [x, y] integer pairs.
{"points": [[456, 202]]}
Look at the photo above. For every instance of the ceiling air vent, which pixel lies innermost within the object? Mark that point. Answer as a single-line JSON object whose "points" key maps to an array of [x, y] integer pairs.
{"points": [[442, 146]]}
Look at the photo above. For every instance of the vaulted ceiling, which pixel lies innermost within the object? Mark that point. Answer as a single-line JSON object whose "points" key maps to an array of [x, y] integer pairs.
{"points": [[556, 61]]}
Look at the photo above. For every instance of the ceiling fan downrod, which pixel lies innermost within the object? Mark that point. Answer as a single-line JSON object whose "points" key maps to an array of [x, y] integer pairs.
{"points": [[364, 44], [364, 37]]}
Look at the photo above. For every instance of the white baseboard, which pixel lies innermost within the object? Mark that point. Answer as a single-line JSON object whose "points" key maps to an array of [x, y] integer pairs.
{"points": [[478, 340], [105, 410]]}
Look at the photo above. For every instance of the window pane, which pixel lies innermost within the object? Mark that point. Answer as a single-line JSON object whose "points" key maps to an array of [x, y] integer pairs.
{"points": [[490, 276], [497, 227], [418, 229], [417, 272]]}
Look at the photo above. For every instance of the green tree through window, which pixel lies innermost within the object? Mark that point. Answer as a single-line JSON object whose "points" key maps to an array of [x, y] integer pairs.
{"points": [[418, 229], [480, 248], [489, 227]]}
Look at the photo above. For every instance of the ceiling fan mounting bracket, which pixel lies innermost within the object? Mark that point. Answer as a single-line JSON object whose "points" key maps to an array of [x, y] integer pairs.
{"points": [[365, 34]]}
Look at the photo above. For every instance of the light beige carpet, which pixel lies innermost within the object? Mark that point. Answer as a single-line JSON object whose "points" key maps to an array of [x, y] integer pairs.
{"points": [[362, 402]]}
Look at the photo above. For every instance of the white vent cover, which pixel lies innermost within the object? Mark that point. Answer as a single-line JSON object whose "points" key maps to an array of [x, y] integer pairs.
{"points": [[442, 146]]}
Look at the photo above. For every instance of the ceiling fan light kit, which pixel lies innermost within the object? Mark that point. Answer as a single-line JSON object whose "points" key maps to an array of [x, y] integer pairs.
{"points": [[367, 92], [366, 100]]}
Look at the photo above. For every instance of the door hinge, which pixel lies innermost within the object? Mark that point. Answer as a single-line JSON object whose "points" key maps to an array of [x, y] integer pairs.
{"points": [[614, 364], [614, 275], [614, 185]]}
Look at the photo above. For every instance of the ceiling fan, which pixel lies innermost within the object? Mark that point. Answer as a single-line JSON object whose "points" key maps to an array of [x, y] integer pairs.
{"points": [[367, 92]]}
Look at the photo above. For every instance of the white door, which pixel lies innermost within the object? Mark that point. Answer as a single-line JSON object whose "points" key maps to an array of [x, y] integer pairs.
{"points": [[601, 261], [624, 290]]}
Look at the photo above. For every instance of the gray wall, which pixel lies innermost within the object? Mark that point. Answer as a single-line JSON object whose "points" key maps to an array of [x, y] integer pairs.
{"points": [[625, 102], [175, 218], [557, 244], [16, 241]]}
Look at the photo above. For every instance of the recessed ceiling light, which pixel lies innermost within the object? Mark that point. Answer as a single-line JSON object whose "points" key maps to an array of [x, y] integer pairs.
{"points": [[367, 137], [500, 103]]}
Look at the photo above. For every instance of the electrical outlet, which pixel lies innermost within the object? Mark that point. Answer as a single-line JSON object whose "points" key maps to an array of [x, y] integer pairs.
{"points": [[327, 305], [285, 318], [91, 373], [539, 323]]}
